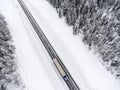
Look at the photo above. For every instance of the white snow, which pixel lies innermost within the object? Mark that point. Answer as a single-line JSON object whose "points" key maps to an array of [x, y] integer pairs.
{"points": [[36, 67]]}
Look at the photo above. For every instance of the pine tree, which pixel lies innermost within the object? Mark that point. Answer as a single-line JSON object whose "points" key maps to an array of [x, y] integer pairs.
{"points": [[9, 77]]}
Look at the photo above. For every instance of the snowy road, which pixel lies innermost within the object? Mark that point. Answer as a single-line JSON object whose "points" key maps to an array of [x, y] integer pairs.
{"points": [[72, 85], [33, 59]]}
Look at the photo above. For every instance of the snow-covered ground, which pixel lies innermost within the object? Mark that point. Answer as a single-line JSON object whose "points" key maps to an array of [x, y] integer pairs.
{"points": [[34, 75], [35, 67]]}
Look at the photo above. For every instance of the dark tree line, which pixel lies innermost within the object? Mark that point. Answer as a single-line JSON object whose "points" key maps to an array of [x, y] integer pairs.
{"points": [[9, 77], [99, 23]]}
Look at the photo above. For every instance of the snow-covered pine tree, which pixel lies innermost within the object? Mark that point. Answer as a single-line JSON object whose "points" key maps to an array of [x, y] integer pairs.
{"points": [[9, 77]]}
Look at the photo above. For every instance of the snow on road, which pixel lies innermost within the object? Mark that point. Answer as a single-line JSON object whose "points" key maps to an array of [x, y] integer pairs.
{"points": [[35, 66]]}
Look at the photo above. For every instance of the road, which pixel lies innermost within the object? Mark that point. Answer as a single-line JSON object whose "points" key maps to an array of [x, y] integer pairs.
{"points": [[54, 56]]}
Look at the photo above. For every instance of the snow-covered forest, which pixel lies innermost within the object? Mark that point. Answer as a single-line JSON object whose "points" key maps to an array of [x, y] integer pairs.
{"points": [[85, 34], [99, 23], [9, 77]]}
